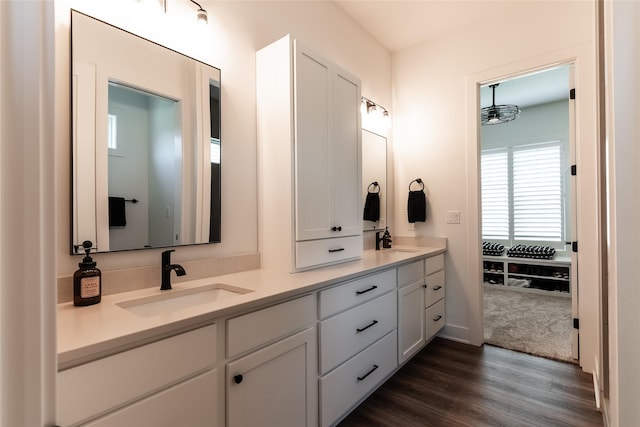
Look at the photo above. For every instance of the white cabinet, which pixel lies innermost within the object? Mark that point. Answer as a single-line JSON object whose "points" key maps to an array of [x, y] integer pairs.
{"points": [[411, 323], [421, 287], [358, 341], [274, 382], [123, 388], [309, 154], [434, 295], [275, 386]]}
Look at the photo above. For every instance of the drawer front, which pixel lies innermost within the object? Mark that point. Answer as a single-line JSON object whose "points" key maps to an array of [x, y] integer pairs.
{"points": [[435, 318], [347, 333], [345, 386], [435, 288], [409, 273], [263, 326], [357, 291], [192, 403], [95, 387], [433, 264], [327, 251]]}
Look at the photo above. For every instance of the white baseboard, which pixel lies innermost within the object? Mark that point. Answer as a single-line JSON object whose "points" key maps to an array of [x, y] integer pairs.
{"points": [[455, 333]]}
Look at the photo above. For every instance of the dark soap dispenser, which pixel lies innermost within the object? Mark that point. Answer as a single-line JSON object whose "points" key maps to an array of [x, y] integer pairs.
{"points": [[87, 280]]}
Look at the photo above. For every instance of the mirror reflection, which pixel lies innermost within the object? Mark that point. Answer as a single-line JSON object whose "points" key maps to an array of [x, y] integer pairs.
{"points": [[374, 180], [146, 144]]}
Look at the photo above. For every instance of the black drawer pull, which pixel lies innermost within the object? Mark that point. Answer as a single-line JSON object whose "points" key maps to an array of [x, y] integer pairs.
{"points": [[438, 317], [367, 327], [238, 379], [366, 290], [437, 288], [339, 228], [368, 373], [336, 250]]}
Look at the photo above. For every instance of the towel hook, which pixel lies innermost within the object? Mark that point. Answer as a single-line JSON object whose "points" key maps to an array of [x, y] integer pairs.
{"points": [[419, 181], [375, 184]]}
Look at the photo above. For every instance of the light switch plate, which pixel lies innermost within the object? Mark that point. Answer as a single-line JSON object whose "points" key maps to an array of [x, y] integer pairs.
{"points": [[453, 217]]}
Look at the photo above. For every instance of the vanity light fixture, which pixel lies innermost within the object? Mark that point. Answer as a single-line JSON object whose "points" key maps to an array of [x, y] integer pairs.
{"points": [[202, 14], [370, 107], [497, 114]]}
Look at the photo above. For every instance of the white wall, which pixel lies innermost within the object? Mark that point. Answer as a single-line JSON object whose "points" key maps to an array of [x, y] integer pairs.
{"points": [[235, 31], [435, 133], [622, 20]]}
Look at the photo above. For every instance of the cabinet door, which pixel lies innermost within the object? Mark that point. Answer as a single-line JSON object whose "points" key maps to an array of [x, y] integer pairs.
{"points": [[345, 154], [312, 127], [411, 320], [275, 386], [192, 403]]}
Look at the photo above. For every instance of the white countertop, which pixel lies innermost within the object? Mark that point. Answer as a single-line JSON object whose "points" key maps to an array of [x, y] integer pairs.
{"points": [[86, 333]]}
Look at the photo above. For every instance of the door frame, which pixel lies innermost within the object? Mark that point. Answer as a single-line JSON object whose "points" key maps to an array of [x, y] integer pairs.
{"points": [[570, 230], [582, 57]]}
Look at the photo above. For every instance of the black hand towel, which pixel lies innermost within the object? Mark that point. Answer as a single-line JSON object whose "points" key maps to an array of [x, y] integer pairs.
{"points": [[117, 215], [372, 207], [417, 206]]}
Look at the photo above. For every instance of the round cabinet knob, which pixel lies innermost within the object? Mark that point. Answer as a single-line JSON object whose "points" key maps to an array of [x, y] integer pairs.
{"points": [[238, 379]]}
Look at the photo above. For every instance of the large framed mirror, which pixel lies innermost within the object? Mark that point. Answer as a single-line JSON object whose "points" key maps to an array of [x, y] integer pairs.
{"points": [[374, 180], [145, 142]]}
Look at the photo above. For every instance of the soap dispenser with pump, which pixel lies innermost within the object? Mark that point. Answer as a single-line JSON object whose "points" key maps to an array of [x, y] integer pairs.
{"points": [[386, 239], [87, 280]]}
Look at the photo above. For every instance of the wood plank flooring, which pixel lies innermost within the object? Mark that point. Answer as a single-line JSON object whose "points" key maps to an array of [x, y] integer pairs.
{"points": [[454, 384]]}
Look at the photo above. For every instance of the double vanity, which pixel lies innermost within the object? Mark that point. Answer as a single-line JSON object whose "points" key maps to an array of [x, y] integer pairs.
{"points": [[252, 348], [300, 341]]}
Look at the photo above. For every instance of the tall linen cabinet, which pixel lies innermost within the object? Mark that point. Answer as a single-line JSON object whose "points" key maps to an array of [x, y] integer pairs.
{"points": [[309, 158]]}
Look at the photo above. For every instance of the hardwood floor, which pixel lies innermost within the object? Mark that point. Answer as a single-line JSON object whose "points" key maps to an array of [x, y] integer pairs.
{"points": [[454, 384]]}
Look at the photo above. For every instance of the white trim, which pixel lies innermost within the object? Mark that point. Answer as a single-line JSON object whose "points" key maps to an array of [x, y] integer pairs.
{"points": [[583, 57]]}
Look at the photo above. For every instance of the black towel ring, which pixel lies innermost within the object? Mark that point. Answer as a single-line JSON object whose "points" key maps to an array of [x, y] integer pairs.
{"points": [[419, 181], [375, 184]]}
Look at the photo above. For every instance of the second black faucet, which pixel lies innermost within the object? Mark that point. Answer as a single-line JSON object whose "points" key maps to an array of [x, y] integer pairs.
{"points": [[166, 270]]}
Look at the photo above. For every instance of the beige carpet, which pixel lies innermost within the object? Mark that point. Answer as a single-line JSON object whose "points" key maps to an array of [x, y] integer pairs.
{"points": [[527, 322]]}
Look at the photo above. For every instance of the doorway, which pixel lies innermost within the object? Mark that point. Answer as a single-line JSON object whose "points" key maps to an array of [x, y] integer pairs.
{"points": [[528, 214]]}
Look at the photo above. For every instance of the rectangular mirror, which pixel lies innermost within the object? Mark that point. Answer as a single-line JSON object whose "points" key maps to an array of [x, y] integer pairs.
{"points": [[374, 180], [145, 142]]}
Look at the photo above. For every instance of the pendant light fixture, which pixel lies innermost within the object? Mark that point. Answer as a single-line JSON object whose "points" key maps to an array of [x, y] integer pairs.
{"points": [[496, 114], [201, 14]]}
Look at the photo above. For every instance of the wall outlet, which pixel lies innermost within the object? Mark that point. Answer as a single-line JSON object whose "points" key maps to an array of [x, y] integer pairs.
{"points": [[453, 217]]}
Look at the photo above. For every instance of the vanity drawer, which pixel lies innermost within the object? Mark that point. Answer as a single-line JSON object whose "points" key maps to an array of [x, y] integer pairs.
{"points": [[409, 273], [316, 252], [348, 294], [260, 327], [435, 288], [95, 387], [347, 333], [345, 386], [435, 318], [433, 264]]}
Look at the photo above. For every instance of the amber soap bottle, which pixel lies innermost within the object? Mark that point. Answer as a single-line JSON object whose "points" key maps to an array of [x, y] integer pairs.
{"points": [[87, 280]]}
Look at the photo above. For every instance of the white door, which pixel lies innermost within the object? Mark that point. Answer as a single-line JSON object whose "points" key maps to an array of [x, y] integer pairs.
{"points": [[275, 386], [345, 155], [411, 319], [312, 126], [571, 214]]}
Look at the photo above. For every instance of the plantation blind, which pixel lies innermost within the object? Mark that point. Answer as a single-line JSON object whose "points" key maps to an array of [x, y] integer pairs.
{"points": [[537, 193], [495, 194]]}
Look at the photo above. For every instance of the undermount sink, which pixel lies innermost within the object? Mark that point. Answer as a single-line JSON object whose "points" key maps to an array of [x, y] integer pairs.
{"points": [[178, 299], [400, 251]]}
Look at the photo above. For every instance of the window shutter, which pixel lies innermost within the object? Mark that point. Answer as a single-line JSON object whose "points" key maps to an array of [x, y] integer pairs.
{"points": [[495, 194], [537, 193]]}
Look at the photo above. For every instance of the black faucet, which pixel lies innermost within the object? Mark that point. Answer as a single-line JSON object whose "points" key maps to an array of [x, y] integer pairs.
{"points": [[385, 239], [166, 270]]}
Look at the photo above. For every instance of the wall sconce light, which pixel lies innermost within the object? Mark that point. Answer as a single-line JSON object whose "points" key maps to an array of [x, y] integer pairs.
{"points": [[374, 115], [202, 14]]}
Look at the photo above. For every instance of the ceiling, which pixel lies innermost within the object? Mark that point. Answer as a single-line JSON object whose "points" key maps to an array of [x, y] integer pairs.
{"points": [[400, 24]]}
